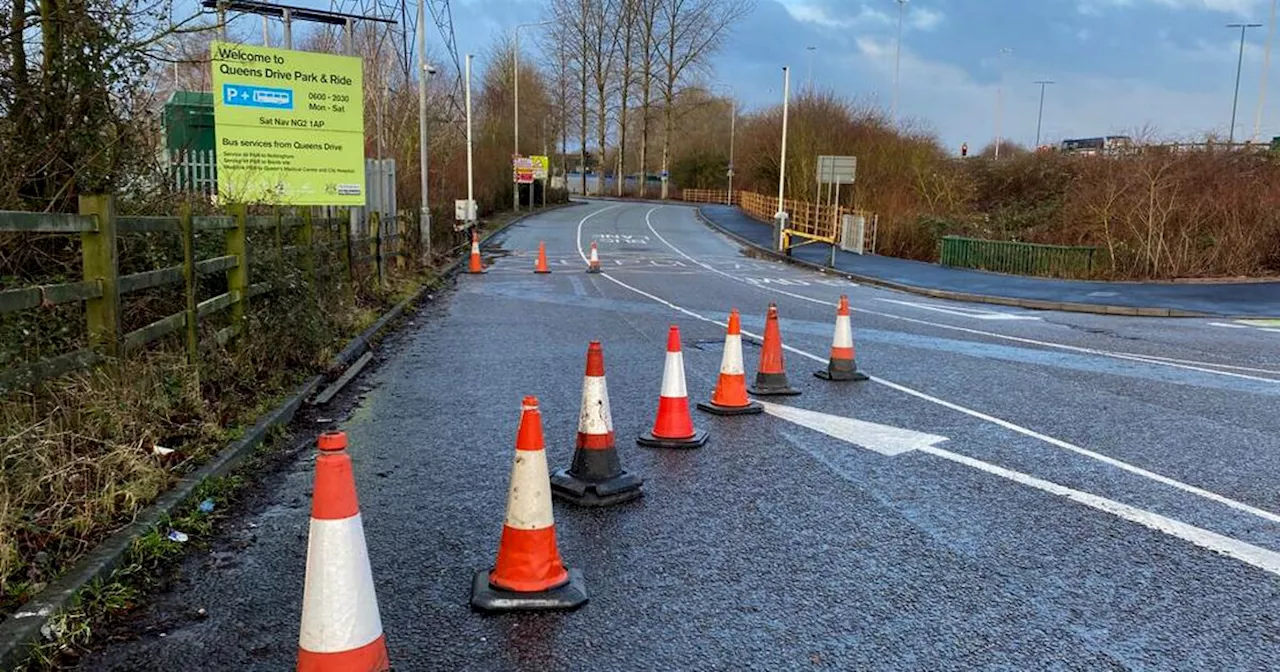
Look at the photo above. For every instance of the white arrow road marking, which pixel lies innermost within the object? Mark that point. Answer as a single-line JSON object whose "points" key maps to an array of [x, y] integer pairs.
{"points": [[961, 311], [891, 441], [883, 439]]}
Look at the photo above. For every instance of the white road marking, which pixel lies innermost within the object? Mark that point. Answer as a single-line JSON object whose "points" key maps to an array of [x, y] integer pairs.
{"points": [[1228, 325], [1159, 478], [962, 312], [1262, 558], [883, 439]]}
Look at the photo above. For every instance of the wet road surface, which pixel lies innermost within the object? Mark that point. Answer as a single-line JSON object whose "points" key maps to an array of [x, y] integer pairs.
{"points": [[1090, 492]]}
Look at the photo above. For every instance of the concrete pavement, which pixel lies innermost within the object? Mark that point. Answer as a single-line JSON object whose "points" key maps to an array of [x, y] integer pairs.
{"points": [[1105, 497], [1234, 299]]}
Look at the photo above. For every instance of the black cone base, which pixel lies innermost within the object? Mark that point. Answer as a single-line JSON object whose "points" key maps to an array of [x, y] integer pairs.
{"points": [[772, 385], [698, 440], [716, 409], [485, 597], [841, 376], [543, 272], [621, 488], [593, 269]]}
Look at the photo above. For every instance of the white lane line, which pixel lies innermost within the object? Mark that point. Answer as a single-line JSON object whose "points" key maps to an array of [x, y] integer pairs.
{"points": [[1256, 556], [1119, 464], [1190, 365], [1264, 559], [962, 312], [1228, 325], [884, 439]]}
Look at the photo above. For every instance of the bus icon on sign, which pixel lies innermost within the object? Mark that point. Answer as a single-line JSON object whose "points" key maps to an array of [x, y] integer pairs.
{"points": [[243, 95]]}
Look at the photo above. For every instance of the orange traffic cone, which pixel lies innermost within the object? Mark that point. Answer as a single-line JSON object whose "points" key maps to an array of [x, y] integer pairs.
{"points": [[730, 396], [844, 363], [542, 267], [529, 574], [593, 265], [475, 266], [341, 629], [771, 378], [673, 427], [596, 477]]}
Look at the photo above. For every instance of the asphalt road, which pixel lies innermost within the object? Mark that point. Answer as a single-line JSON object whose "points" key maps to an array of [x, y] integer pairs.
{"points": [[1088, 492]]}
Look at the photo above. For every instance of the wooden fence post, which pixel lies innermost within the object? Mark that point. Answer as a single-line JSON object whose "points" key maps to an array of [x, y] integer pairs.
{"points": [[238, 277], [100, 258], [375, 225], [306, 240], [189, 279], [347, 257]]}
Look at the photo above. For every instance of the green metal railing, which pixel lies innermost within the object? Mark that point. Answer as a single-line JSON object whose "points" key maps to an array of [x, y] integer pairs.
{"points": [[1018, 258]]}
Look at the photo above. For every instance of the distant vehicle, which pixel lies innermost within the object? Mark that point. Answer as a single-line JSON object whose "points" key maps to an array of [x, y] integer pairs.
{"points": [[1104, 145]]}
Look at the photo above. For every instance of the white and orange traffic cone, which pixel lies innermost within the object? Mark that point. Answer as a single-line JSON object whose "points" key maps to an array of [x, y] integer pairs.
{"points": [[771, 377], [593, 264], [528, 574], [541, 266], [475, 265], [730, 396], [341, 629], [596, 477], [673, 428], [843, 365]]}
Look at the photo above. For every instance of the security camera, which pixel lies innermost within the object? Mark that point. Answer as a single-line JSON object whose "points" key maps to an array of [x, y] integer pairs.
{"points": [[430, 69]]}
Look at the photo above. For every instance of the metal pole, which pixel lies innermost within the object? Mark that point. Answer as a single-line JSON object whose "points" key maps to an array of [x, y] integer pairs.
{"points": [[515, 74], [1266, 70], [733, 121], [897, 61], [470, 181], [810, 50], [424, 225], [288, 28], [350, 36], [1040, 116], [222, 22], [266, 32], [781, 216], [1235, 101]]}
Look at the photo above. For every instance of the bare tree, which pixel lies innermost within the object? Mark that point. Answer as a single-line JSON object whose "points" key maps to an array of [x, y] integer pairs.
{"points": [[626, 74], [646, 16], [692, 30], [601, 53]]}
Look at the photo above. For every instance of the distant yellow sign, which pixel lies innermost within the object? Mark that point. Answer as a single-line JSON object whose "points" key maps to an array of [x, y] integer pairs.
{"points": [[289, 126], [541, 166]]}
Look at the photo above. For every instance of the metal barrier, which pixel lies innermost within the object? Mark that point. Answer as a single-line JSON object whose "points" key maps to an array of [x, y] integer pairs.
{"points": [[1017, 258]]}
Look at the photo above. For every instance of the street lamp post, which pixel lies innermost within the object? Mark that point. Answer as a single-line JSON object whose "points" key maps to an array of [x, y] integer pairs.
{"points": [[1000, 97], [780, 219], [733, 120], [1235, 101], [897, 60], [471, 214], [1266, 69], [810, 49], [1040, 117], [515, 75], [424, 223]]}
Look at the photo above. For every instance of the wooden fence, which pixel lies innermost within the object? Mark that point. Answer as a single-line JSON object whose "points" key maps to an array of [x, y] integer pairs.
{"points": [[346, 248], [709, 196], [820, 222]]}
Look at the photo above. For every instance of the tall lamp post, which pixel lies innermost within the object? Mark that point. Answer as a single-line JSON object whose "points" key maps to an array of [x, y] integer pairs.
{"points": [[1000, 97], [810, 49], [780, 219], [897, 60], [1040, 117], [424, 143], [1235, 101], [733, 121], [515, 70]]}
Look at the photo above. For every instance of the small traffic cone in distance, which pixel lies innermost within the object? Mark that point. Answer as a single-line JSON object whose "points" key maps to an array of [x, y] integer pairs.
{"points": [[843, 365], [541, 266], [673, 428], [593, 265], [341, 630], [475, 265], [730, 396], [529, 574], [771, 378], [596, 477]]}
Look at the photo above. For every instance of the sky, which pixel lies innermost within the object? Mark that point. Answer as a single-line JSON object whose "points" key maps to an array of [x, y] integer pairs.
{"points": [[1118, 66]]}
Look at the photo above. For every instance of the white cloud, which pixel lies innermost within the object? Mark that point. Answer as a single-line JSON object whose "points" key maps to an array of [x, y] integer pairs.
{"points": [[1237, 7], [925, 18], [842, 14]]}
